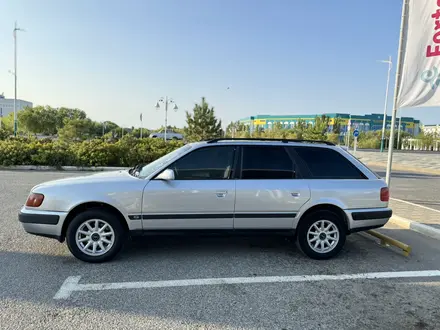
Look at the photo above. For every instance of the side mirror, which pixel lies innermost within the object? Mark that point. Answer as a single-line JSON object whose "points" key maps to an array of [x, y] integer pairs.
{"points": [[166, 175]]}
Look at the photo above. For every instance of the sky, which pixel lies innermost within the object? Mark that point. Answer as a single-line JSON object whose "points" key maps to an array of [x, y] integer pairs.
{"points": [[115, 59]]}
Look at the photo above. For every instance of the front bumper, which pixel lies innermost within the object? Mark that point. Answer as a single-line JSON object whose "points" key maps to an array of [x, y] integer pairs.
{"points": [[364, 219], [43, 223]]}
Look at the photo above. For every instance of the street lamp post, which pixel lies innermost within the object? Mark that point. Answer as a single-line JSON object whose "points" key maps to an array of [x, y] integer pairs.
{"points": [[348, 132], [142, 125], [15, 76], [390, 63], [166, 101]]}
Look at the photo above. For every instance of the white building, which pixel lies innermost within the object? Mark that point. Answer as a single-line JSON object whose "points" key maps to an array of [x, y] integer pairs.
{"points": [[7, 105], [431, 129]]}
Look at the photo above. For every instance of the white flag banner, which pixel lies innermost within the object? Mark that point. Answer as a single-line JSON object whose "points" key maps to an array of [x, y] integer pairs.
{"points": [[420, 67]]}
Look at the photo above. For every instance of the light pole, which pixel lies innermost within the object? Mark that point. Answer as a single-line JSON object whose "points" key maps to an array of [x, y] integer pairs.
{"points": [[398, 131], [15, 76], [348, 132], [166, 101], [140, 117], [390, 63]]}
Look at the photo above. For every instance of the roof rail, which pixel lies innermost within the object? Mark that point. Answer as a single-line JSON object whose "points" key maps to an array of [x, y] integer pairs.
{"points": [[274, 140]]}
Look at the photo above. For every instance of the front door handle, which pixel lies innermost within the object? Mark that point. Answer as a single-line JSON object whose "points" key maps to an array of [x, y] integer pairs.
{"points": [[221, 194]]}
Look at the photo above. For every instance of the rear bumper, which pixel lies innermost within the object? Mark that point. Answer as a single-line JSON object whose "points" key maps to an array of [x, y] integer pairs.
{"points": [[364, 219], [42, 223]]}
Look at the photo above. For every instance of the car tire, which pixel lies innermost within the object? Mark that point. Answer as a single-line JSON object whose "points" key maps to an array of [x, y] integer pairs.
{"points": [[321, 234], [105, 241]]}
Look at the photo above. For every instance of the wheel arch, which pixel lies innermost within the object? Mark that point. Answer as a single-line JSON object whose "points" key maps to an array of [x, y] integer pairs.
{"points": [[326, 207], [88, 206]]}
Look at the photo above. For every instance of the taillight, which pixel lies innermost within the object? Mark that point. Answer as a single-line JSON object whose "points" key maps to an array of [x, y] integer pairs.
{"points": [[384, 194], [35, 200]]}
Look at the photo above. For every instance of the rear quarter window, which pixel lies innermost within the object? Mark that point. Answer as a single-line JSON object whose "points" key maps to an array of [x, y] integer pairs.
{"points": [[326, 163]]}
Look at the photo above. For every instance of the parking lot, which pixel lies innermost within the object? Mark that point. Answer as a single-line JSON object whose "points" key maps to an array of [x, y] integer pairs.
{"points": [[289, 291]]}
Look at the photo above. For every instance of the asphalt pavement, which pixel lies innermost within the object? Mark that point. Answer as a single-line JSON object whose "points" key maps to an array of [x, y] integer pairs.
{"points": [[33, 269], [403, 151], [420, 189]]}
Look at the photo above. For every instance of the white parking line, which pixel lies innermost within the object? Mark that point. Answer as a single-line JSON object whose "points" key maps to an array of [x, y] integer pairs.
{"points": [[424, 207], [71, 284]]}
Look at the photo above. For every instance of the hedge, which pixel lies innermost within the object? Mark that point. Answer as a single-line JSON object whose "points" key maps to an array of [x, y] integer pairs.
{"points": [[128, 151]]}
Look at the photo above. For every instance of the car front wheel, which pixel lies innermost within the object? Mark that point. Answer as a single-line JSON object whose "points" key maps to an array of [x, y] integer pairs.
{"points": [[95, 236], [321, 234]]}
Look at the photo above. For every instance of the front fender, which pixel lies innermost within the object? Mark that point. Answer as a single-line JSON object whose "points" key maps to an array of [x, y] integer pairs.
{"points": [[126, 197]]}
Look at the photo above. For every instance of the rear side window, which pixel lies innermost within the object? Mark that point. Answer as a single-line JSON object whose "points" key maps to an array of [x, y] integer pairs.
{"points": [[266, 162], [324, 163], [212, 163]]}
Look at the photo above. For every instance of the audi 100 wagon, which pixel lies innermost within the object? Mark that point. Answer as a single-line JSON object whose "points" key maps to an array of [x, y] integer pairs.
{"points": [[314, 190]]}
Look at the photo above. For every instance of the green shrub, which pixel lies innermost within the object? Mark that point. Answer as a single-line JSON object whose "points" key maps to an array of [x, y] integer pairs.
{"points": [[95, 153], [52, 154], [126, 152], [333, 137], [15, 152], [369, 143], [4, 134]]}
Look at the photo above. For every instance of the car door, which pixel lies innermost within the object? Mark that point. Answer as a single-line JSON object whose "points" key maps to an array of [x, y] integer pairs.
{"points": [[201, 196], [268, 192]]}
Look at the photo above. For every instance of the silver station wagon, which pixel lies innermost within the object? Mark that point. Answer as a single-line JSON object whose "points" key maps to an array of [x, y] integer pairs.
{"points": [[314, 190]]}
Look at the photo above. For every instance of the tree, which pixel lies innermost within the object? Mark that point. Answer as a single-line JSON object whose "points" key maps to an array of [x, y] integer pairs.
{"points": [[109, 127], [236, 129], [47, 120], [65, 114], [202, 123], [337, 126], [38, 120], [8, 122], [77, 129], [318, 130]]}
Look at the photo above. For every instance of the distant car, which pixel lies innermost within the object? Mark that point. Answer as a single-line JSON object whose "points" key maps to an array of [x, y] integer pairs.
{"points": [[170, 135], [311, 189]]}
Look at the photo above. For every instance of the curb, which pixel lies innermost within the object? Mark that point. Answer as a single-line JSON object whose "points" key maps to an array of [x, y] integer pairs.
{"points": [[415, 226], [62, 168]]}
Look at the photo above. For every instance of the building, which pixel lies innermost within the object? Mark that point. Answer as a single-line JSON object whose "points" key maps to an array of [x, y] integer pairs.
{"points": [[7, 105], [371, 122], [431, 129]]}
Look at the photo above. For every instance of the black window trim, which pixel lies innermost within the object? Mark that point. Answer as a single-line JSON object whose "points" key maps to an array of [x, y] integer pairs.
{"points": [[233, 167], [238, 162], [241, 158], [305, 168]]}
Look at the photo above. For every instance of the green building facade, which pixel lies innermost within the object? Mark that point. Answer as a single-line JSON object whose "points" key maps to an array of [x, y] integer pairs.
{"points": [[371, 122]]}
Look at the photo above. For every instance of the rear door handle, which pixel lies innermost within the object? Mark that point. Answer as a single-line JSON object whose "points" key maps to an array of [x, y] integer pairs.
{"points": [[295, 194], [221, 194]]}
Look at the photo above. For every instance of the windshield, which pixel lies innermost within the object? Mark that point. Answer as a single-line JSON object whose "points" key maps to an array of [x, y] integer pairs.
{"points": [[150, 168]]}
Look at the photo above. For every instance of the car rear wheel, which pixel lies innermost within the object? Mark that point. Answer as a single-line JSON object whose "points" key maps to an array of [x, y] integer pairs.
{"points": [[321, 234], [95, 236]]}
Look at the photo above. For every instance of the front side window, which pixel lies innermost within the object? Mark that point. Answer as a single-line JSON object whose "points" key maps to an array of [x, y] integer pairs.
{"points": [[150, 168], [325, 163], [209, 163], [266, 162]]}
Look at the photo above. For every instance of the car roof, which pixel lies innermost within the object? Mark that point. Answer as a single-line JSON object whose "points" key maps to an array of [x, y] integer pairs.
{"points": [[278, 142]]}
